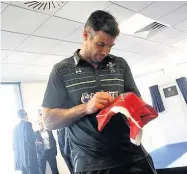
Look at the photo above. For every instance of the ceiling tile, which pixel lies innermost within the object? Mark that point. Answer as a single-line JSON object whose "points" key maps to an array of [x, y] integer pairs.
{"points": [[120, 13], [37, 44], [181, 45], [134, 5], [21, 58], [144, 55], [165, 51], [49, 60], [139, 68], [135, 44], [129, 39], [10, 69], [176, 16], [63, 28], [122, 54], [3, 6], [31, 73], [124, 42], [64, 48], [136, 58], [181, 56], [20, 20], [160, 8], [176, 38], [4, 53], [182, 25], [6, 2], [39, 9], [11, 40], [146, 47], [165, 34], [76, 36], [155, 49], [81, 15], [37, 70]]}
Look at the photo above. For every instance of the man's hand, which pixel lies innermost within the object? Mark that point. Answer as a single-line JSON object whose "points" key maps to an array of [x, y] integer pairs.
{"points": [[58, 118], [99, 101]]}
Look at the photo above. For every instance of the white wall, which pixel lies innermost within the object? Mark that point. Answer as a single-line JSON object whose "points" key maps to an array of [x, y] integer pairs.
{"points": [[170, 127], [32, 99], [175, 117]]}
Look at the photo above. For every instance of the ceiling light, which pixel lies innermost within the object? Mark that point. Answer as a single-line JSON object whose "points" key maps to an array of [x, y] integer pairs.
{"points": [[134, 23]]}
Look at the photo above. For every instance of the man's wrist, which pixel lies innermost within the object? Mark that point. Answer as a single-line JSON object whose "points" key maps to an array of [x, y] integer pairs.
{"points": [[85, 110]]}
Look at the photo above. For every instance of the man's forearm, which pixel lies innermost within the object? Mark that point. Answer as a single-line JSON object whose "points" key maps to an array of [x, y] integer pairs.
{"points": [[59, 118]]}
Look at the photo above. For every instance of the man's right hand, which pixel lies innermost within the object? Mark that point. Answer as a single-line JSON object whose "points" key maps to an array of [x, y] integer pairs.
{"points": [[99, 101], [58, 118]]}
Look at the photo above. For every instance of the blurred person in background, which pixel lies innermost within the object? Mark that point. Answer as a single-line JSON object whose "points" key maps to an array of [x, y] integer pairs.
{"points": [[24, 147], [46, 148]]}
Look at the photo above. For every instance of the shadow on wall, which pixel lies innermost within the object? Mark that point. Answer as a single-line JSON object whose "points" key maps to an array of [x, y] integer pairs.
{"points": [[166, 155]]}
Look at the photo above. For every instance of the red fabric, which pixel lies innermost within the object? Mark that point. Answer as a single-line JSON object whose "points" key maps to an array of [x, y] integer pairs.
{"points": [[137, 112]]}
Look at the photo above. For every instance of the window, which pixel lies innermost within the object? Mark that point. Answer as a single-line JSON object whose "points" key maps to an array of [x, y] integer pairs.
{"points": [[10, 103]]}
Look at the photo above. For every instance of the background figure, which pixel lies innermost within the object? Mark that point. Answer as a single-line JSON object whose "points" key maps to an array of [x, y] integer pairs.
{"points": [[46, 149], [64, 147], [24, 146]]}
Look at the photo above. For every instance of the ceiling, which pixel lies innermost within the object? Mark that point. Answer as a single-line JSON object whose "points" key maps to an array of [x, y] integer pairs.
{"points": [[33, 40]]}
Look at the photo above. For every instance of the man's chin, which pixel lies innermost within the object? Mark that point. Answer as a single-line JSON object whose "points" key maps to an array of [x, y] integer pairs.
{"points": [[99, 59]]}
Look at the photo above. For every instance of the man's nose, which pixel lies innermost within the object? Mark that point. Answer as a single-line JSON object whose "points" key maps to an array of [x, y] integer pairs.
{"points": [[106, 50]]}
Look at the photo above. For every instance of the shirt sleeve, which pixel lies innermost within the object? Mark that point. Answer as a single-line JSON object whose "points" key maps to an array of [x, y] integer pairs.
{"points": [[56, 94], [129, 83]]}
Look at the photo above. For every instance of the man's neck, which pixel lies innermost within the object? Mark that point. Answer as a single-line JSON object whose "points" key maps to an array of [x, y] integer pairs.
{"points": [[83, 54], [85, 57]]}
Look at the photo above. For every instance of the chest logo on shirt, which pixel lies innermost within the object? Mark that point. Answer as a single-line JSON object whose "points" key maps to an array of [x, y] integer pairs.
{"points": [[78, 71], [86, 97], [111, 67]]}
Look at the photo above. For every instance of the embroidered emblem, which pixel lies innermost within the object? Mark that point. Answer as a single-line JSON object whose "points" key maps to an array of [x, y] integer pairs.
{"points": [[78, 71], [86, 97], [111, 67]]}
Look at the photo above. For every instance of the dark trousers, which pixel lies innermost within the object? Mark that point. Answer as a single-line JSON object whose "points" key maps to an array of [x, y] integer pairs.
{"points": [[144, 166], [51, 158]]}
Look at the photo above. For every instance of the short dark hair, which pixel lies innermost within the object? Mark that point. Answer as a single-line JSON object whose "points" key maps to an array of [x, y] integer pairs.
{"points": [[103, 21], [22, 114]]}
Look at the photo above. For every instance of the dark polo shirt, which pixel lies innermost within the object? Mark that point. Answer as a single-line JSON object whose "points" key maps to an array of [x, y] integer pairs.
{"points": [[74, 81]]}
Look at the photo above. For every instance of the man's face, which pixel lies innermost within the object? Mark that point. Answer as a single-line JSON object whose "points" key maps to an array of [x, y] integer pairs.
{"points": [[98, 45]]}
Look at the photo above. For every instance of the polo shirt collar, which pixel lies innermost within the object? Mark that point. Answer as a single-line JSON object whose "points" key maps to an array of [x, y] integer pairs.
{"points": [[78, 60]]}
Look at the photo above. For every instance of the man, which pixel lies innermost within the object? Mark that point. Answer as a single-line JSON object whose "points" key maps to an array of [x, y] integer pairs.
{"points": [[79, 87], [46, 149], [24, 146]]}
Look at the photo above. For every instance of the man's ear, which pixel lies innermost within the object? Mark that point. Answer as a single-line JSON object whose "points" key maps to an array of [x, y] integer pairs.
{"points": [[85, 34]]}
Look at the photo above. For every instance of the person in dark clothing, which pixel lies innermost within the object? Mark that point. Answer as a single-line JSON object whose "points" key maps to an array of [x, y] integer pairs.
{"points": [[83, 84], [24, 148], [64, 147], [46, 149]]}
